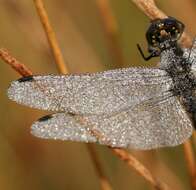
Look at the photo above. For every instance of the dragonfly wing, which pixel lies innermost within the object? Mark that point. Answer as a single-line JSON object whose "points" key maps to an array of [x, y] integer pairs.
{"points": [[142, 127], [98, 93]]}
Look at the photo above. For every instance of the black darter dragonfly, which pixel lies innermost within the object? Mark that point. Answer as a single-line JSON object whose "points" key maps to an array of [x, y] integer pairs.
{"points": [[140, 108]]}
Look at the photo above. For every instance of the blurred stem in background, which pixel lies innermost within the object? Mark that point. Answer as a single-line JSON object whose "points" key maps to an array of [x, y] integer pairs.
{"points": [[110, 29]]}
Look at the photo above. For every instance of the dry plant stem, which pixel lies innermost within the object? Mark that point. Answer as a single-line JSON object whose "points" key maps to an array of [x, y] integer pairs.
{"points": [[105, 185], [149, 8], [188, 153], [144, 172], [15, 64], [110, 29], [50, 36]]}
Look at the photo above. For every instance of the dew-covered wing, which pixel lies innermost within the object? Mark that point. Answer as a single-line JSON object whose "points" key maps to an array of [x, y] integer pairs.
{"points": [[97, 93], [143, 127]]}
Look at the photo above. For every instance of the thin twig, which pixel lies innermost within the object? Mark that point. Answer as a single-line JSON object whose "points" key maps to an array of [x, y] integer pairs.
{"points": [[104, 182], [15, 64], [150, 9], [51, 36], [132, 162], [110, 28], [153, 12]]}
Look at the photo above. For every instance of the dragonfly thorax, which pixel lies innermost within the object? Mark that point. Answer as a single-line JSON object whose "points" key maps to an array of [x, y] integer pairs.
{"points": [[173, 61]]}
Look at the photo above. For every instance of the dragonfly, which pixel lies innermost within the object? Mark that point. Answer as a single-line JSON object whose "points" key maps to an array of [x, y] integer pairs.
{"points": [[137, 107]]}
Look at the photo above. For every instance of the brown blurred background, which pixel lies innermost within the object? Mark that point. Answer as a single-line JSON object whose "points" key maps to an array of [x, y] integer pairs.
{"points": [[27, 162]]}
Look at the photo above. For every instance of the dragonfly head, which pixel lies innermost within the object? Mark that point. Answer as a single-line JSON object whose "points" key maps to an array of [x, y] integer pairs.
{"points": [[163, 32]]}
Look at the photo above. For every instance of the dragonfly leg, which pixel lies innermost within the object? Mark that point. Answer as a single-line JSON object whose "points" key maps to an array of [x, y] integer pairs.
{"points": [[153, 54]]}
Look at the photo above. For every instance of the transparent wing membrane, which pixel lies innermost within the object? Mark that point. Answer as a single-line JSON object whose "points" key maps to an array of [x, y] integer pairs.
{"points": [[99, 93], [141, 127]]}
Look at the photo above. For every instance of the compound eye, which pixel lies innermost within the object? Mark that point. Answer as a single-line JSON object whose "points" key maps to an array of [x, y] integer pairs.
{"points": [[175, 30], [155, 38], [173, 27]]}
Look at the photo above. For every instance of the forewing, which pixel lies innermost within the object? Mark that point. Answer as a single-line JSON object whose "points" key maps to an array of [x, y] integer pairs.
{"points": [[145, 126], [97, 93]]}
